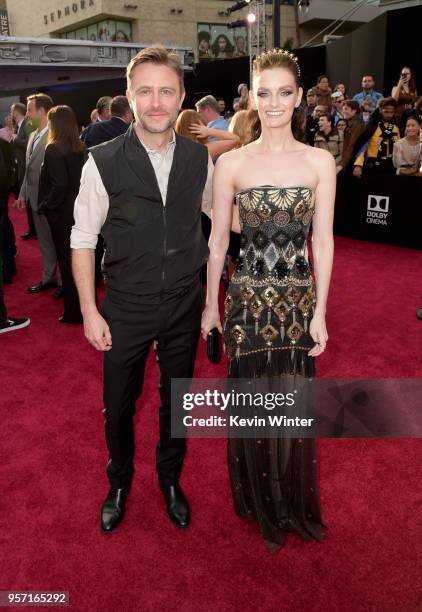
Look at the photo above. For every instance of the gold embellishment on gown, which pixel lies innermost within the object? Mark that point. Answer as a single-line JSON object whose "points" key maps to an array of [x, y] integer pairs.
{"points": [[270, 296], [269, 333]]}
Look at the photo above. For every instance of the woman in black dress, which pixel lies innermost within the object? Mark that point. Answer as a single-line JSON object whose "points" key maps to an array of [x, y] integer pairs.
{"points": [[274, 323], [59, 186]]}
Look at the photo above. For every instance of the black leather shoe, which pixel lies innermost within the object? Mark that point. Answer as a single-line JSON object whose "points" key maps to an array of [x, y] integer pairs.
{"points": [[177, 505], [113, 509], [28, 235], [42, 287]]}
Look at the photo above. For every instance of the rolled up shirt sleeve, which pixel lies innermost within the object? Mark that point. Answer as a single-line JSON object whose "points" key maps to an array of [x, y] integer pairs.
{"points": [[91, 208]]}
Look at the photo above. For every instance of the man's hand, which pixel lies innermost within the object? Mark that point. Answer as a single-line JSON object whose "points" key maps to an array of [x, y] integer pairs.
{"points": [[97, 332], [357, 171], [20, 204]]}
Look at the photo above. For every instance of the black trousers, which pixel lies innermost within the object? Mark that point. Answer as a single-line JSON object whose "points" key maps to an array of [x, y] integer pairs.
{"points": [[60, 222], [175, 324]]}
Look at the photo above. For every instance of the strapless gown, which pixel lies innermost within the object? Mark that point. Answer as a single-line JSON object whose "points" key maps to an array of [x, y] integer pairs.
{"points": [[268, 306]]}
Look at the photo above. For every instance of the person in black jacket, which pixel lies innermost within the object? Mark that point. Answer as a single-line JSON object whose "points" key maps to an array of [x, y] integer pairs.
{"points": [[143, 192], [59, 184], [6, 166], [102, 131]]}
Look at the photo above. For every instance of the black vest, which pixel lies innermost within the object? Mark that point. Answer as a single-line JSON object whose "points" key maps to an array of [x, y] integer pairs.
{"points": [[153, 252]]}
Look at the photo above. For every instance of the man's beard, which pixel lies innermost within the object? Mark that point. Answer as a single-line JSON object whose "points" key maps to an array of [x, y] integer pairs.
{"points": [[157, 130]]}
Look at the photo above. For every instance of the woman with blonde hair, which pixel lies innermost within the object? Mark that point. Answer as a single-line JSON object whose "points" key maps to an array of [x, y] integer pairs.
{"points": [[274, 324], [190, 124], [239, 125]]}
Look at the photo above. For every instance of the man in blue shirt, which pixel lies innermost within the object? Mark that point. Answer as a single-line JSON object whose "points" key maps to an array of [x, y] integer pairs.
{"points": [[368, 89], [209, 111]]}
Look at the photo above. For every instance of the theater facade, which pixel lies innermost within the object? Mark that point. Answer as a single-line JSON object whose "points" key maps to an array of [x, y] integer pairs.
{"points": [[185, 23]]}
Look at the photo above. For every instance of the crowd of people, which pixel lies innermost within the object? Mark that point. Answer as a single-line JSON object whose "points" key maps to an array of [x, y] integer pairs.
{"points": [[42, 153]]}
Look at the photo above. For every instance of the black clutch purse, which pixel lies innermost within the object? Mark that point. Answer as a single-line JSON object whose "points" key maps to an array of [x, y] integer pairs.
{"points": [[214, 340]]}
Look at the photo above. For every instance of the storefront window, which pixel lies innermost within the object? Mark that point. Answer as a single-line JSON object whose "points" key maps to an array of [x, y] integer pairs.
{"points": [[217, 41], [109, 29]]}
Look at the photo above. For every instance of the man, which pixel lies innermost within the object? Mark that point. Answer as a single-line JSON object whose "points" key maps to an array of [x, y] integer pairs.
{"points": [[143, 190], [102, 131], [221, 106], [311, 100], [103, 114], [368, 89], [20, 143], [374, 150], [338, 99], [312, 123], [329, 138], [209, 111], [324, 91], [6, 166], [352, 131], [38, 106]]}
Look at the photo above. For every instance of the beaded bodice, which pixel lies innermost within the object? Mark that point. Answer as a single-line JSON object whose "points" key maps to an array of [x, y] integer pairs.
{"points": [[271, 297], [275, 224]]}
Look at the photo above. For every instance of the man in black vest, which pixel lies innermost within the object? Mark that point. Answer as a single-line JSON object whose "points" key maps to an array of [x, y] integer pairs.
{"points": [[143, 191]]}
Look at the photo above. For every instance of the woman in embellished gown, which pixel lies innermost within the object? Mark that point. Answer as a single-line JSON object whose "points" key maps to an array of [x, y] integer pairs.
{"points": [[274, 323]]}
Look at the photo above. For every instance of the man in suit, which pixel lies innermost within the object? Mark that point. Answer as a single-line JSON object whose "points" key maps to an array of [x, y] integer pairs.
{"points": [[20, 143], [38, 106], [102, 131], [7, 323], [103, 114]]}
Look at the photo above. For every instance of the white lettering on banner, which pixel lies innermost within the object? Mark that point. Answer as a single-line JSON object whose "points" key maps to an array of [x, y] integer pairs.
{"points": [[377, 209], [74, 7]]}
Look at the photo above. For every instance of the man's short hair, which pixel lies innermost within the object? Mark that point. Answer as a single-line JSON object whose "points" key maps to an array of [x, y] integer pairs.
{"points": [[103, 104], [312, 92], [325, 115], [207, 102], [159, 56], [387, 102], [18, 106], [119, 106], [353, 104], [41, 101]]}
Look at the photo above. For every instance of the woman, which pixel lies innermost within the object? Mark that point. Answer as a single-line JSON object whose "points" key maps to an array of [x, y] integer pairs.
{"points": [[407, 150], [273, 323], [59, 186], [190, 124], [341, 87], [405, 95], [222, 48]]}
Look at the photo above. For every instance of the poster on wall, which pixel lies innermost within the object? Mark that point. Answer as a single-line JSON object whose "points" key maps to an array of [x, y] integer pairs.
{"points": [[217, 41], [108, 30]]}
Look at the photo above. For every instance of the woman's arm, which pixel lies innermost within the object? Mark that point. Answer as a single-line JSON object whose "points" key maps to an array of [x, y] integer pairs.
{"points": [[396, 155], [218, 147], [322, 245], [202, 131], [223, 194]]}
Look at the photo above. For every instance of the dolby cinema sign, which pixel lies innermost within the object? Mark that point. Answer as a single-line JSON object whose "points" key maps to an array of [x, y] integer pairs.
{"points": [[377, 209], [66, 11]]}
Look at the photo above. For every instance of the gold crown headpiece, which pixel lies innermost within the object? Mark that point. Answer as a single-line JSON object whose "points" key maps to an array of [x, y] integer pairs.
{"points": [[284, 53]]}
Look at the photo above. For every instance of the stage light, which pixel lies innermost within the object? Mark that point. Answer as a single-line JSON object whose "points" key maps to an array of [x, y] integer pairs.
{"points": [[237, 6], [251, 17]]}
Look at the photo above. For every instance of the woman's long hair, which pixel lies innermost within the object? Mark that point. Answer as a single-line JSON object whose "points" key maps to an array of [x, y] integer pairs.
{"points": [[63, 128], [412, 80], [184, 121], [240, 126], [277, 58]]}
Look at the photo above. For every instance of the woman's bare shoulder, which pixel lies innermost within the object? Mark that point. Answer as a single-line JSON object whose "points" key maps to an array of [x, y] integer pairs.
{"points": [[232, 159]]}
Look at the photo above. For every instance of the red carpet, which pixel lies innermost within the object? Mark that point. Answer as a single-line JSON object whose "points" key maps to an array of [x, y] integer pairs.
{"points": [[52, 473]]}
